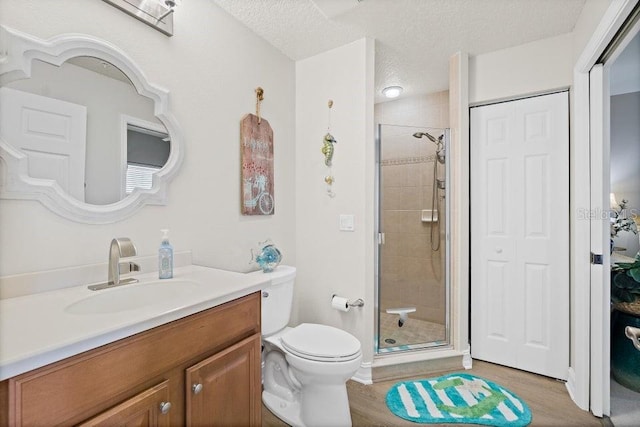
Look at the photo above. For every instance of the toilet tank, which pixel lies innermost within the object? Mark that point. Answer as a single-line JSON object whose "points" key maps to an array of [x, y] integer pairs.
{"points": [[277, 299]]}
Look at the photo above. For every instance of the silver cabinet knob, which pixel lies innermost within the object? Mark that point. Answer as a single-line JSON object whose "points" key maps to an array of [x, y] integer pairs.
{"points": [[499, 250], [164, 407], [265, 294], [197, 388]]}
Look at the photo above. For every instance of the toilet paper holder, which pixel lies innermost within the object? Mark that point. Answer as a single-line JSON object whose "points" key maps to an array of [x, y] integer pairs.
{"points": [[357, 303]]}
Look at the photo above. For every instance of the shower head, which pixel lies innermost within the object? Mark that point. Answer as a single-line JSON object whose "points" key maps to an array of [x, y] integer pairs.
{"points": [[421, 134]]}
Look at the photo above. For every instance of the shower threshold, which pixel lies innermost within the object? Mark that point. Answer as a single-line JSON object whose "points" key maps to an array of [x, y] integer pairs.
{"points": [[399, 364]]}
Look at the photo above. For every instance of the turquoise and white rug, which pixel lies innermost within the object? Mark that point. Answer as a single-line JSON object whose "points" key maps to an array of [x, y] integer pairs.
{"points": [[457, 398]]}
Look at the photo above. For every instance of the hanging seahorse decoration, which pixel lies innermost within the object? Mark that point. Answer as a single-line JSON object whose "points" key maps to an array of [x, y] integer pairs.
{"points": [[327, 148]]}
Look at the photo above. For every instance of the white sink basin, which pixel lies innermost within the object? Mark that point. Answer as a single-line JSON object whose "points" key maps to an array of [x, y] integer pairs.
{"points": [[134, 296]]}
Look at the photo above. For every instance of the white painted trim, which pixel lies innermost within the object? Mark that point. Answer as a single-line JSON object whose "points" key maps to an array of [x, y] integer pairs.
{"points": [[571, 384], [364, 374], [599, 316], [123, 154], [17, 52], [579, 200], [518, 97], [609, 25], [391, 359], [459, 239], [467, 361]]}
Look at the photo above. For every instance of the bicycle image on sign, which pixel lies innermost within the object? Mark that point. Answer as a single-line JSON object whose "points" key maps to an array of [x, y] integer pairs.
{"points": [[262, 199]]}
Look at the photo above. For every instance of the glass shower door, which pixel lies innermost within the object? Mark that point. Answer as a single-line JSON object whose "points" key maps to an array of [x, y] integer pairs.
{"points": [[413, 295]]}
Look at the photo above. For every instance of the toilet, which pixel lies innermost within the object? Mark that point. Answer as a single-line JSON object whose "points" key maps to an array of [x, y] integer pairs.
{"points": [[306, 367]]}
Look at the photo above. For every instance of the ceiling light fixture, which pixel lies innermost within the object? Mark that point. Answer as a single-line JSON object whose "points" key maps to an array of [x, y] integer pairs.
{"points": [[392, 91], [157, 13]]}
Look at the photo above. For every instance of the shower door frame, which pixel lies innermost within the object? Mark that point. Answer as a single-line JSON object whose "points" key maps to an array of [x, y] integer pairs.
{"points": [[379, 239]]}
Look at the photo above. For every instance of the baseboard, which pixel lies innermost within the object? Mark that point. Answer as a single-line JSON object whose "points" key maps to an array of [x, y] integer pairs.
{"points": [[571, 385], [391, 367], [363, 376], [467, 361]]}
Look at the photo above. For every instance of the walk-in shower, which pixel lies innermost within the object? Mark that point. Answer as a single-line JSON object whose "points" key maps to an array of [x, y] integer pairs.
{"points": [[412, 256]]}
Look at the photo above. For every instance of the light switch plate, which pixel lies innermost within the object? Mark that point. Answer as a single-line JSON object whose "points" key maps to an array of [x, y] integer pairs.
{"points": [[347, 222]]}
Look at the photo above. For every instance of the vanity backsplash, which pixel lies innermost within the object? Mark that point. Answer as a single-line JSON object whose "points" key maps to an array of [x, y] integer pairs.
{"points": [[50, 280]]}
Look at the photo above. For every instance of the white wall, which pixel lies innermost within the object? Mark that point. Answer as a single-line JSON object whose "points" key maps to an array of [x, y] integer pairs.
{"points": [[211, 66], [530, 68], [331, 261]]}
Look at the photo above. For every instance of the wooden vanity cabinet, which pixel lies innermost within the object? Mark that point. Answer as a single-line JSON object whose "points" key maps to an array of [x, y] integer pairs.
{"points": [[131, 381], [217, 387]]}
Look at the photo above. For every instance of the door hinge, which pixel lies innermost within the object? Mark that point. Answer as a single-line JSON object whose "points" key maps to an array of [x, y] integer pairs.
{"points": [[596, 258], [381, 238]]}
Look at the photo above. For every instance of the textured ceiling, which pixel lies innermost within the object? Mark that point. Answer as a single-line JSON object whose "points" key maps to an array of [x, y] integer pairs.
{"points": [[414, 38]]}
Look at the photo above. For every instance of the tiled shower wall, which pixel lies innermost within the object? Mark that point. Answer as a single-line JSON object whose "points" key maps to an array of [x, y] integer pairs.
{"points": [[412, 274]]}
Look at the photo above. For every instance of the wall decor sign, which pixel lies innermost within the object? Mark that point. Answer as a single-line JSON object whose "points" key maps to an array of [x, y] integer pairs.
{"points": [[256, 145]]}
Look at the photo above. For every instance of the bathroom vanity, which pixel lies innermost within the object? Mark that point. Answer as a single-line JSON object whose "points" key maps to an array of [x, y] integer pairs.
{"points": [[202, 368]]}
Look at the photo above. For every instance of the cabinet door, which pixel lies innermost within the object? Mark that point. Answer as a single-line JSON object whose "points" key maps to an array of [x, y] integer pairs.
{"points": [[147, 409], [225, 389]]}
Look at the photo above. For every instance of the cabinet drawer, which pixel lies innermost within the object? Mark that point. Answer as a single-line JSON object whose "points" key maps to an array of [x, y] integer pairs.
{"points": [[147, 409], [75, 389]]}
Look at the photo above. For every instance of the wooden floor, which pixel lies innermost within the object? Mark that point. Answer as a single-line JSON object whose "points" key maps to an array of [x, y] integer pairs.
{"points": [[547, 398]]}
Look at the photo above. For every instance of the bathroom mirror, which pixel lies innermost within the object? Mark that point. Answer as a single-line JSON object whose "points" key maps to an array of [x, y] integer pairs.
{"points": [[81, 129]]}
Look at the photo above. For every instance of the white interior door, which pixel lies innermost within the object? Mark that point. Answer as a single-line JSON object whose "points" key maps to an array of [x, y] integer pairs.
{"points": [[600, 272], [52, 133], [520, 234]]}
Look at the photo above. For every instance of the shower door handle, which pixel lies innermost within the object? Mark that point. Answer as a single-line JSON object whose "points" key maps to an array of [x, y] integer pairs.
{"points": [[381, 238]]}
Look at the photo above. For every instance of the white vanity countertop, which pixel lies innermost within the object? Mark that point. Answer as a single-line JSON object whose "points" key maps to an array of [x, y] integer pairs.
{"points": [[37, 329]]}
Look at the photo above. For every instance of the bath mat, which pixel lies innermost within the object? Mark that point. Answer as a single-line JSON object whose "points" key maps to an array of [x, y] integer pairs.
{"points": [[457, 398]]}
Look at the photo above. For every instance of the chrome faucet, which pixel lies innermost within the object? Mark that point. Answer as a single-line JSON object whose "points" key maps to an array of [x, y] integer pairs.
{"points": [[121, 247]]}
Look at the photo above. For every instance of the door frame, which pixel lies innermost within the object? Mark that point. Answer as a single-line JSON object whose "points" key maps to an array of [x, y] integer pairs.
{"points": [[579, 382]]}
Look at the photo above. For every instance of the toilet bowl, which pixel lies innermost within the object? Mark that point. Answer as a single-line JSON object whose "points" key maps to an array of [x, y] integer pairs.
{"points": [[305, 368]]}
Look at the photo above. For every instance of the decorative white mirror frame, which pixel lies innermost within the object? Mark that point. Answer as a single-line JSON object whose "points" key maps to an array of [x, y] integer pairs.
{"points": [[17, 52]]}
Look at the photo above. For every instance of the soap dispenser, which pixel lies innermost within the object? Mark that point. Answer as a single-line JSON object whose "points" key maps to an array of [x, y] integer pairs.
{"points": [[165, 257]]}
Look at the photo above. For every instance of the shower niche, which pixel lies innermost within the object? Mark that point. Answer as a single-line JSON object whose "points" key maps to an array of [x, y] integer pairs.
{"points": [[413, 251]]}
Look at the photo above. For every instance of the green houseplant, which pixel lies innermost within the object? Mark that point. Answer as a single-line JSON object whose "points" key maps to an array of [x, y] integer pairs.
{"points": [[625, 304], [625, 282]]}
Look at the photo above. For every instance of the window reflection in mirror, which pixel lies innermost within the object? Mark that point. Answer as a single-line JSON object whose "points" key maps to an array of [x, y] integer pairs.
{"points": [[83, 104], [147, 151]]}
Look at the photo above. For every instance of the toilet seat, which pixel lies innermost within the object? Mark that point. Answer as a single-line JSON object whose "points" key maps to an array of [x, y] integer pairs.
{"points": [[321, 343]]}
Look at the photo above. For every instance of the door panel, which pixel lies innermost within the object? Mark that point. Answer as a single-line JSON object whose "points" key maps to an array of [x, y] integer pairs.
{"points": [[51, 133], [519, 244]]}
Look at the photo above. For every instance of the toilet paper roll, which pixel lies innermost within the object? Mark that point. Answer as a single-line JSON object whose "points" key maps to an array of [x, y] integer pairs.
{"points": [[340, 303]]}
